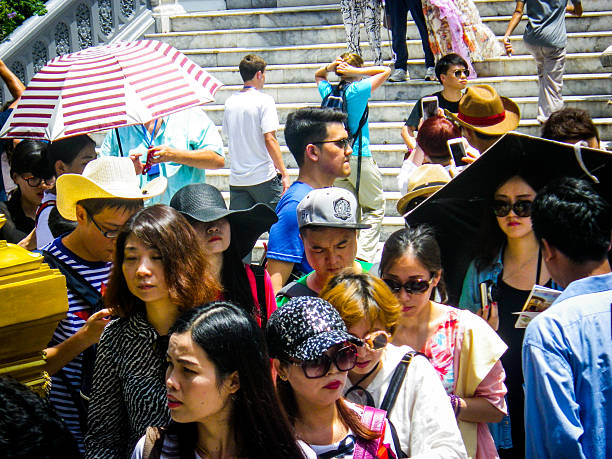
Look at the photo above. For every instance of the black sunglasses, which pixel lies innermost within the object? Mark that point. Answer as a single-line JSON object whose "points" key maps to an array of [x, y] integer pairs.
{"points": [[413, 286], [344, 359], [521, 208], [340, 143], [458, 73]]}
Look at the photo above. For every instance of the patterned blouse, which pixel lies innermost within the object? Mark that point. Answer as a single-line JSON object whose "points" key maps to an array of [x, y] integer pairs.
{"points": [[440, 349], [129, 391]]}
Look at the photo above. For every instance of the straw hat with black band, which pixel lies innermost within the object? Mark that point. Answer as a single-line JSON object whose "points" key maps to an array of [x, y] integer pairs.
{"points": [[205, 203], [107, 177], [425, 180], [486, 112]]}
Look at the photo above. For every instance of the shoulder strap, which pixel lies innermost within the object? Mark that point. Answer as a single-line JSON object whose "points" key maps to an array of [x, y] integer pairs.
{"points": [[260, 283], [42, 207], [74, 280], [294, 289], [373, 419], [154, 440], [397, 379]]}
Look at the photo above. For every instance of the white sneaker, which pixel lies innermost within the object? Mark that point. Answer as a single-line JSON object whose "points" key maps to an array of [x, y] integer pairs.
{"points": [[399, 75], [430, 74]]}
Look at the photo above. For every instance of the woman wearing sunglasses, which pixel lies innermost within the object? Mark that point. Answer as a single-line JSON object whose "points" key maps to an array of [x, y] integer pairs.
{"points": [[508, 265], [159, 270], [420, 413], [220, 392], [463, 349], [32, 175], [312, 354]]}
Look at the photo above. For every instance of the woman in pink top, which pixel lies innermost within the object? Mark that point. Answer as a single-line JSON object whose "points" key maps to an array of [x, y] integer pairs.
{"points": [[461, 346], [228, 236]]}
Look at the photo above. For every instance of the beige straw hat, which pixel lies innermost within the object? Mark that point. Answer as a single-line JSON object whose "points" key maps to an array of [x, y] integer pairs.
{"points": [[105, 177], [426, 179]]}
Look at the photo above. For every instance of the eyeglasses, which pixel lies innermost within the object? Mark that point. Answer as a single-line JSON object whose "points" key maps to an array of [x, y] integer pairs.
{"points": [[413, 286], [522, 208], [458, 73], [107, 234], [377, 340], [36, 181], [344, 359], [340, 143]]}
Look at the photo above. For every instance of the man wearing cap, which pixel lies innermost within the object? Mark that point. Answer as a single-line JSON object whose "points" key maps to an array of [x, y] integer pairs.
{"points": [[320, 145], [546, 38], [100, 200], [327, 219], [485, 116]]}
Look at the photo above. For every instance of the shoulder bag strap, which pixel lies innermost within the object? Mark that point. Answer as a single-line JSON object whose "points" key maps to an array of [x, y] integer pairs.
{"points": [[295, 289], [397, 379], [260, 283], [154, 440], [42, 207]]}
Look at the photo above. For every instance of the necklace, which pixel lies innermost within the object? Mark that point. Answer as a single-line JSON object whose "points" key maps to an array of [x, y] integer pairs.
{"points": [[520, 268], [364, 377]]}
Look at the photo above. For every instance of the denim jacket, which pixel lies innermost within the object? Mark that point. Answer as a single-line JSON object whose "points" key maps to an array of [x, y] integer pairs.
{"points": [[470, 299]]}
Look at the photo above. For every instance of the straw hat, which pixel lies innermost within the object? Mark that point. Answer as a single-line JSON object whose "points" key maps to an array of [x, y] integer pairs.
{"points": [[426, 179], [484, 111], [205, 203], [104, 177]]}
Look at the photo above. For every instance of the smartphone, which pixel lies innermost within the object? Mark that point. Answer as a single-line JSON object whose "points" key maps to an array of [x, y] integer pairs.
{"points": [[456, 148], [429, 106], [485, 297]]}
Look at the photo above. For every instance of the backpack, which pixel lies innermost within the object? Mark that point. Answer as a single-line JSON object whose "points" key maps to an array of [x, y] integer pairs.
{"points": [[84, 290], [336, 100]]}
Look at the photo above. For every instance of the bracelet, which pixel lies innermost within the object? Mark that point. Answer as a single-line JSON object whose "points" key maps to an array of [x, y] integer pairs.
{"points": [[455, 404]]}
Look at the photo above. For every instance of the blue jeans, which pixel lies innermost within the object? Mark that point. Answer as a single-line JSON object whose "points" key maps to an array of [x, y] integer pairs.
{"points": [[398, 10]]}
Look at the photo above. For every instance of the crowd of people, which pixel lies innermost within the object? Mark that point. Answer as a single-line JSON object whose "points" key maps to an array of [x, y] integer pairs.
{"points": [[176, 345]]}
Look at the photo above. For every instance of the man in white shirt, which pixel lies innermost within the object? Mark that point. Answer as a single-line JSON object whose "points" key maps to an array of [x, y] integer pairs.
{"points": [[250, 121]]}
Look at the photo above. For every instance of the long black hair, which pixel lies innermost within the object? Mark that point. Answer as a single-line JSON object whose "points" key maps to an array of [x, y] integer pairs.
{"points": [[233, 342], [236, 286], [421, 240]]}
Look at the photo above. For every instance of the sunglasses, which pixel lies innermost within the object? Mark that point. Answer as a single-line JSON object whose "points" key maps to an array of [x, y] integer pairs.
{"points": [[413, 286], [458, 73], [340, 143], [344, 359], [521, 208], [377, 340]]}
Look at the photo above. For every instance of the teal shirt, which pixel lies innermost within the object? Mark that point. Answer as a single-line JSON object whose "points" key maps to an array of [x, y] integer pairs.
{"points": [[357, 95], [189, 129]]}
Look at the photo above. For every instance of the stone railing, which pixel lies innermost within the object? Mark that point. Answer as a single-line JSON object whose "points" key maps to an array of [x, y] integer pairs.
{"points": [[69, 26]]}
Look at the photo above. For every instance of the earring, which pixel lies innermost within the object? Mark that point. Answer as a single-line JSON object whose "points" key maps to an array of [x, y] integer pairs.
{"points": [[282, 377]]}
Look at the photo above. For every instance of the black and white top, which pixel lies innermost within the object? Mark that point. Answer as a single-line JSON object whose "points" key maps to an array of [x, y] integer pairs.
{"points": [[129, 392], [96, 273]]}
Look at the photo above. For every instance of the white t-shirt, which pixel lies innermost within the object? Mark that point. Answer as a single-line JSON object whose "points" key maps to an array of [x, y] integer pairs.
{"points": [[9, 185], [248, 116], [171, 445], [422, 413], [43, 233]]}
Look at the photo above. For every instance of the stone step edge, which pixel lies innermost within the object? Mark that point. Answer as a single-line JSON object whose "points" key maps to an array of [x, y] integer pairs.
{"points": [[287, 9], [316, 65], [516, 78], [319, 28], [364, 45]]}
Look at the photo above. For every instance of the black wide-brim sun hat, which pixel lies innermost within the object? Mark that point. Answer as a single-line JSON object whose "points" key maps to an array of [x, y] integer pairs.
{"points": [[204, 203]]}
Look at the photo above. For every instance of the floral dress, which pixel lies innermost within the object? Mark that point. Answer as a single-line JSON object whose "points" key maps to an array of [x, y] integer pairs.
{"points": [[454, 26], [440, 349]]}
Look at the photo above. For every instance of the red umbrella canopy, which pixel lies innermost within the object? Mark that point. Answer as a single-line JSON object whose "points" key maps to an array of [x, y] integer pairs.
{"points": [[106, 87]]}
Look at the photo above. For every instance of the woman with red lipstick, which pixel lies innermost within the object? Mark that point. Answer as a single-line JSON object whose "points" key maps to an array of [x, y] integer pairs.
{"points": [[220, 393], [159, 270], [421, 414], [463, 349], [227, 237], [32, 174], [312, 353], [509, 264]]}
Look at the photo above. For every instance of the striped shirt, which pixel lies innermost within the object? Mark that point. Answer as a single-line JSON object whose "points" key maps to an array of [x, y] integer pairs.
{"points": [[96, 273]]}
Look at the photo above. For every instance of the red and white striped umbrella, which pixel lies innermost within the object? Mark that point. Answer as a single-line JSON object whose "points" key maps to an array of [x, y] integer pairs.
{"points": [[106, 87]]}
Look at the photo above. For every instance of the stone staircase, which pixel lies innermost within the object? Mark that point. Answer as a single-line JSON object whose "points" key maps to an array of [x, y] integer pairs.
{"points": [[300, 36]]}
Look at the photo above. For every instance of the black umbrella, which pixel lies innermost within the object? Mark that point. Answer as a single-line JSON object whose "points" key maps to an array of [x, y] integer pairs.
{"points": [[456, 210]]}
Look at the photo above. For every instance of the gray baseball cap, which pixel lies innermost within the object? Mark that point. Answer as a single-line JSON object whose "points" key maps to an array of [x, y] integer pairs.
{"points": [[329, 207]]}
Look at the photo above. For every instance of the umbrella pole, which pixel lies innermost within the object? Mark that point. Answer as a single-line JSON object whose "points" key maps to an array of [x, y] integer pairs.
{"points": [[119, 142]]}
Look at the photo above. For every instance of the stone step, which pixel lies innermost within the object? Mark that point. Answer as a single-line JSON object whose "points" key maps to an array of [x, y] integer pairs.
{"points": [[515, 65], [579, 42], [509, 86], [381, 111], [324, 15], [334, 33]]}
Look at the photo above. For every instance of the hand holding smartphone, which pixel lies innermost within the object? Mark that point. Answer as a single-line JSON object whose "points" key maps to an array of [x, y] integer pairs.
{"points": [[429, 107], [456, 149]]}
